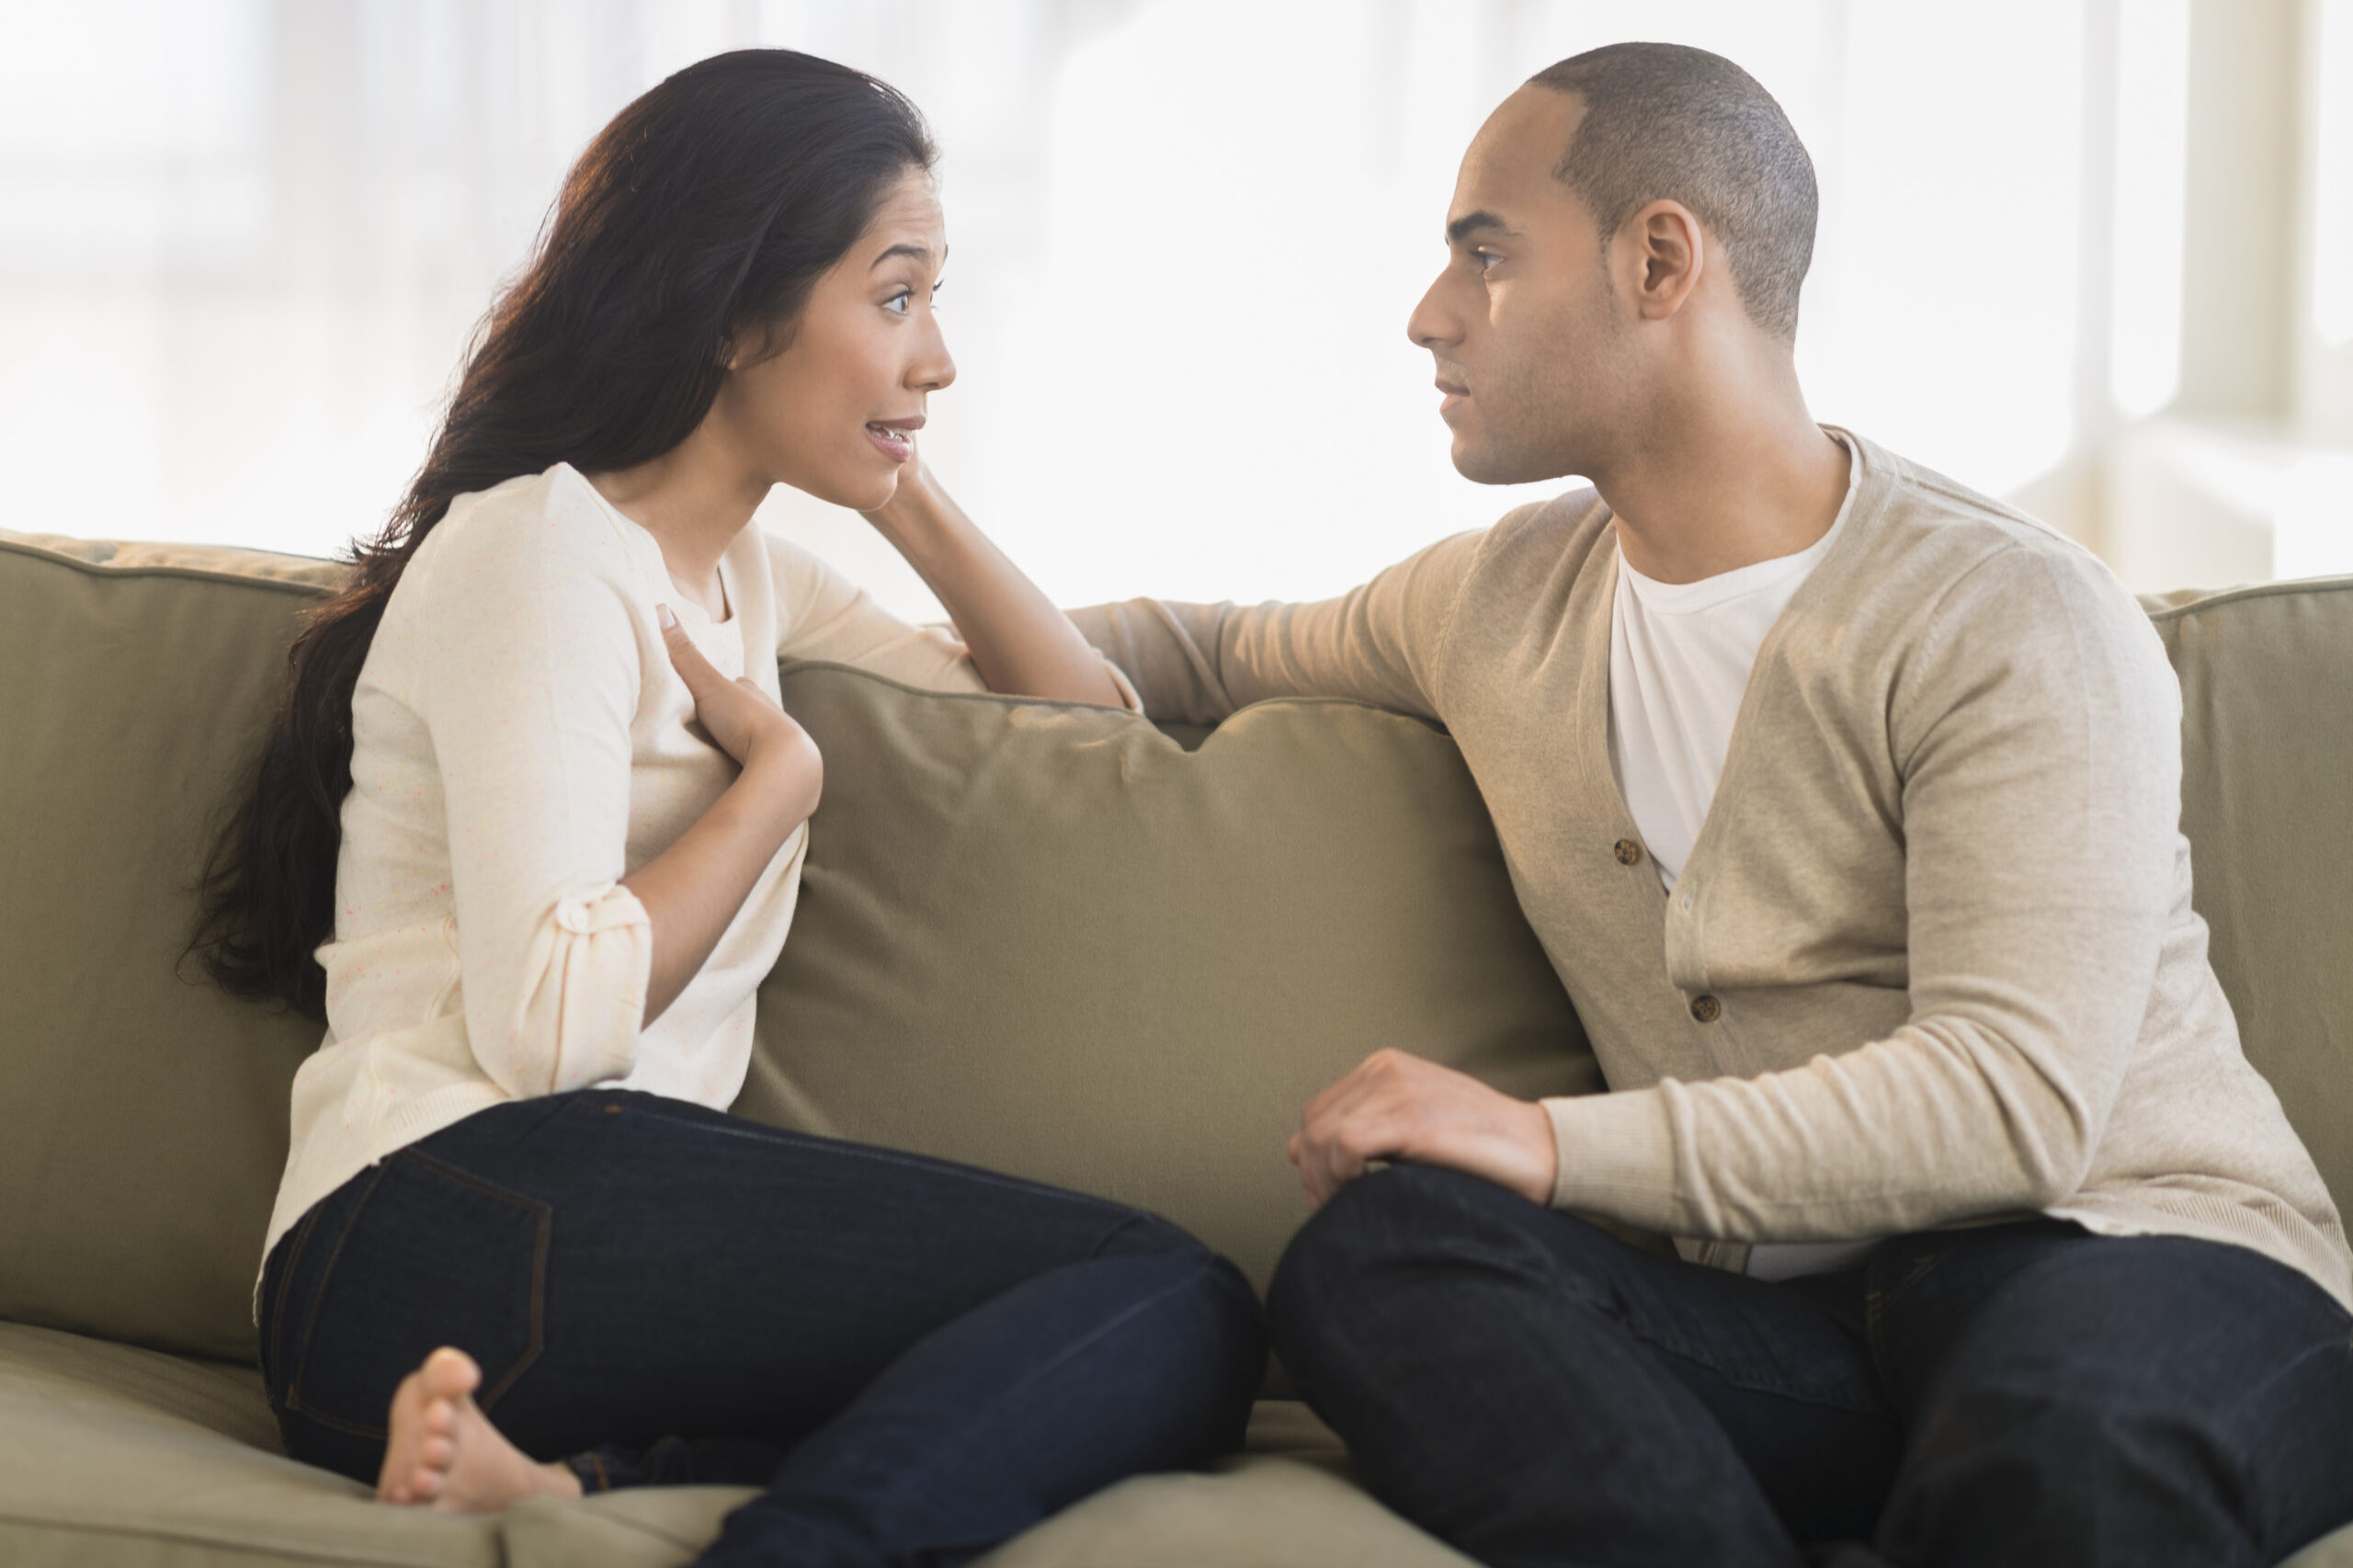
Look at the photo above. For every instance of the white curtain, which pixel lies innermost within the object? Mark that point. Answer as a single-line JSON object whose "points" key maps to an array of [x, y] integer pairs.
{"points": [[242, 244]]}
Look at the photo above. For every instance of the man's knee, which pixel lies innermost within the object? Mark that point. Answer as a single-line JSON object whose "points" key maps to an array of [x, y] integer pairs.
{"points": [[1407, 1225], [1405, 1214]]}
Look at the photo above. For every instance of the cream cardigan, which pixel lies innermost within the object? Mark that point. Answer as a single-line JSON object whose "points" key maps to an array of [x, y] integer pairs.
{"points": [[520, 744], [1932, 959]]}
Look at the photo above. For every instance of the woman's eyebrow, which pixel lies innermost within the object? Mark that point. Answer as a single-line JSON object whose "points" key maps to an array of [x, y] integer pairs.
{"points": [[920, 253]]}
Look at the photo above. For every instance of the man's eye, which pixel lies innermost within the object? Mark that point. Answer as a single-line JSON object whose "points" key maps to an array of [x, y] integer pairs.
{"points": [[1484, 259]]}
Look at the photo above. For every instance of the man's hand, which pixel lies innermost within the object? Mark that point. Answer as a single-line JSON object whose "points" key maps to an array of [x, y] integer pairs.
{"points": [[1396, 1107]]}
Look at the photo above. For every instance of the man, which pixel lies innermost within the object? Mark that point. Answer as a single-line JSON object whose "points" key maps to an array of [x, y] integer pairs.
{"points": [[1846, 802]]}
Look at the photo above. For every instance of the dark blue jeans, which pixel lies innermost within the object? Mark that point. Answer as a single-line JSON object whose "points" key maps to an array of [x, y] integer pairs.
{"points": [[917, 1360], [2028, 1396]]}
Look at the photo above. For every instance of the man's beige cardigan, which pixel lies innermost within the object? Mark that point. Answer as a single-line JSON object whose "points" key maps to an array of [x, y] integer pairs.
{"points": [[1932, 960]]}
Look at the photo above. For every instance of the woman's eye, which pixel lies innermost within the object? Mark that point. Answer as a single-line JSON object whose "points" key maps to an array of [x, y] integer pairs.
{"points": [[900, 302]]}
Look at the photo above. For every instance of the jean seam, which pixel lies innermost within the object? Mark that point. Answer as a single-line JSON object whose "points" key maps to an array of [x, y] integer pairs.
{"points": [[1752, 1385], [310, 1323], [1613, 1305], [274, 1348], [2327, 1347], [543, 1220], [878, 1155], [900, 1482], [1132, 1220], [1879, 1297], [542, 1223]]}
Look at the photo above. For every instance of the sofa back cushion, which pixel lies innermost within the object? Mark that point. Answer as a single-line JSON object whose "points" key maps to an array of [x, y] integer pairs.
{"points": [[2267, 800], [1049, 940], [145, 1110]]}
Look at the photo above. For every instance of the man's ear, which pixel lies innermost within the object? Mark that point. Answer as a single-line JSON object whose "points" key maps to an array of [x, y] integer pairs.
{"points": [[1662, 254]]}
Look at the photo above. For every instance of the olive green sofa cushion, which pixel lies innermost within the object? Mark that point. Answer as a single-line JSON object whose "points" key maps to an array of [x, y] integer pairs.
{"points": [[146, 1111], [1051, 941], [2267, 800], [114, 1457]]}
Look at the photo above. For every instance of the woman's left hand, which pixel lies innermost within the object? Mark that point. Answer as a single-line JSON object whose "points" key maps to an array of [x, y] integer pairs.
{"points": [[1020, 643]]}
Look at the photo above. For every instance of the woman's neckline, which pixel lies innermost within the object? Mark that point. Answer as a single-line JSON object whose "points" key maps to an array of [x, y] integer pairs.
{"points": [[684, 603]]}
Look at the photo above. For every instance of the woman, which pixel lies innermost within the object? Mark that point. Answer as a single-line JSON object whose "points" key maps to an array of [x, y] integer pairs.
{"points": [[520, 1247]]}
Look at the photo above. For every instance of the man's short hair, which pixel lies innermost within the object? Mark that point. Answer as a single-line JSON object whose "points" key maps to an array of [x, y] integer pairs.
{"points": [[1665, 120]]}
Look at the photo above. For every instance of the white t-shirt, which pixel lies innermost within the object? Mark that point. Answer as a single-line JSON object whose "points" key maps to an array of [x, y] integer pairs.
{"points": [[1679, 658]]}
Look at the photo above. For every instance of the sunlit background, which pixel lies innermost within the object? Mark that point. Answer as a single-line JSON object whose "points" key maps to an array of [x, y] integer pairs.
{"points": [[2096, 255]]}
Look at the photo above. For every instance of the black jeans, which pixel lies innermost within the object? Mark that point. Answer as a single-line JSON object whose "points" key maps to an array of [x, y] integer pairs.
{"points": [[1535, 1393], [916, 1360]]}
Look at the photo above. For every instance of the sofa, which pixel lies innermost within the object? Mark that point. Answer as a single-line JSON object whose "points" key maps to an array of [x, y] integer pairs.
{"points": [[1049, 939]]}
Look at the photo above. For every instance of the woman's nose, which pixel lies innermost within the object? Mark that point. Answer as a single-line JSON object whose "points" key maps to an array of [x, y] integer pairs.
{"points": [[934, 368]]}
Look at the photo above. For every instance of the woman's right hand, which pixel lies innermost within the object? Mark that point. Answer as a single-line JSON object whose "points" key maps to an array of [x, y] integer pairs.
{"points": [[743, 721], [693, 890]]}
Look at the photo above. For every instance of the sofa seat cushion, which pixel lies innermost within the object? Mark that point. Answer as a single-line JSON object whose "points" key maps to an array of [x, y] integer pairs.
{"points": [[121, 1458], [111, 1455]]}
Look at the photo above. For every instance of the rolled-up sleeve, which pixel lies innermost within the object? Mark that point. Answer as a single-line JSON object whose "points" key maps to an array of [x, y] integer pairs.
{"points": [[528, 680]]}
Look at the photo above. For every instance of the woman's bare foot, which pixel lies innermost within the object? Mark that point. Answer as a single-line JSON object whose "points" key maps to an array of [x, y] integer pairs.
{"points": [[444, 1453]]}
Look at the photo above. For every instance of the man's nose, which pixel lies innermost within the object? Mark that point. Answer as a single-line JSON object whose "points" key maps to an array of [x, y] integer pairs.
{"points": [[1432, 326]]}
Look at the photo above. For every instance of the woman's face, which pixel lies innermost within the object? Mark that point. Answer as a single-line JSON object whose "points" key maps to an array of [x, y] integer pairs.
{"points": [[834, 414]]}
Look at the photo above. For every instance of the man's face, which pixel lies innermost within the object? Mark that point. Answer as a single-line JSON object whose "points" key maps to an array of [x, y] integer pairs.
{"points": [[1522, 323]]}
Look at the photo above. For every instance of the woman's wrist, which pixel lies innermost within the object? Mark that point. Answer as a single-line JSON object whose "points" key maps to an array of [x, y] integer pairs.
{"points": [[917, 517]]}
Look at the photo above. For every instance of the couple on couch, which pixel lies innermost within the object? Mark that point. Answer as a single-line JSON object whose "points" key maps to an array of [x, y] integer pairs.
{"points": [[1844, 800]]}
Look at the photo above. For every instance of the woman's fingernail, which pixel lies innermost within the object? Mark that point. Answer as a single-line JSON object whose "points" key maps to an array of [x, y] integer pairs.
{"points": [[668, 621]]}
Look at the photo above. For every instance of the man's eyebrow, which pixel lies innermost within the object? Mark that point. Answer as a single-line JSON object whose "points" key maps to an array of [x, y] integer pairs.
{"points": [[921, 253], [1470, 223]]}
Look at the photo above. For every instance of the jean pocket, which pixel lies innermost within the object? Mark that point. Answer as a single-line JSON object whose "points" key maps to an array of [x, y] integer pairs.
{"points": [[429, 1255]]}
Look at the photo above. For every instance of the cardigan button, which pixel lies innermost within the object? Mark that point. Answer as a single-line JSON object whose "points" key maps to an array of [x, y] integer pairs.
{"points": [[1707, 1009], [1629, 852]]}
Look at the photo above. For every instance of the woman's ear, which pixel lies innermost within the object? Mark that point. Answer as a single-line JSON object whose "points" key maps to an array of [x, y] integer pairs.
{"points": [[749, 343]]}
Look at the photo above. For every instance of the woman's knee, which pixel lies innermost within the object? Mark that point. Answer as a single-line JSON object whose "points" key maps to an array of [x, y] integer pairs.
{"points": [[1217, 1296], [1141, 1232], [1191, 1315]]}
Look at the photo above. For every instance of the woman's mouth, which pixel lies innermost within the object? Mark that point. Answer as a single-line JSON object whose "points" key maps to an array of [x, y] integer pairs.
{"points": [[895, 439]]}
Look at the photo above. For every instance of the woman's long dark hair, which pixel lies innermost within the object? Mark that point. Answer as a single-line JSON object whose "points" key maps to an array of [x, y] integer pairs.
{"points": [[709, 207]]}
